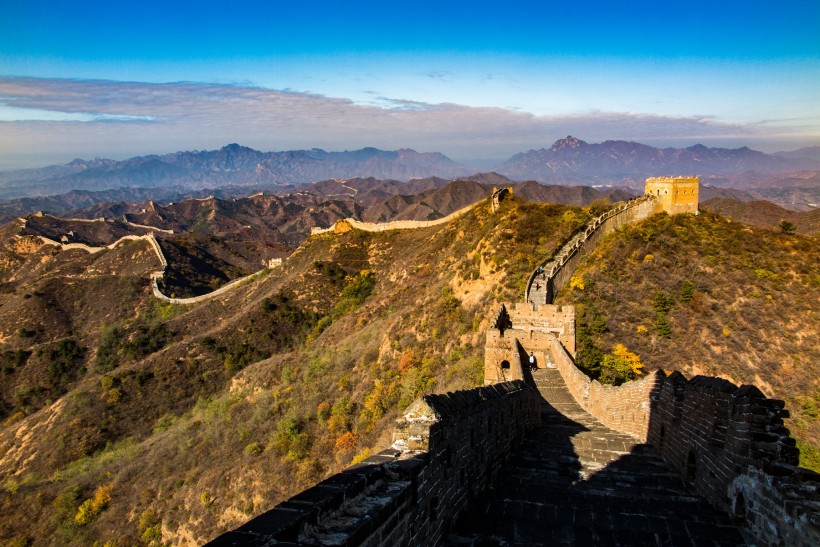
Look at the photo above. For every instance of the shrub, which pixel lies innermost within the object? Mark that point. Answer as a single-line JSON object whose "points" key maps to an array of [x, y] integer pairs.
{"points": [[91, 508], [323, 410], [108, 352], [619, 366], [662, 325], [588, 356], [809, 456], [254, 449], [787, 227], [64, 509], [361, 456], [63, 359], [13, 359], [146, 340], [149, 527], [347, 441], [687, 291], [662, 301], [289, 439]]}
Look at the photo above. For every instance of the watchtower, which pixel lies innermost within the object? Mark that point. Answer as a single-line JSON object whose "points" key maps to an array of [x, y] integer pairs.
{"points": [[677, 194]]}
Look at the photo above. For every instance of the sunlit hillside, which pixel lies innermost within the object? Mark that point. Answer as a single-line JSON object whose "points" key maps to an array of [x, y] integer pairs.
{"points": [[178, 422]]}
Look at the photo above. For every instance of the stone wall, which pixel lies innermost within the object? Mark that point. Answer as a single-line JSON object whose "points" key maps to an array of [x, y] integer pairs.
{"points": [[779, 506], [560, 268], [522, 330], [730, 444], [677, 194], [538, 320], [393, 225], [446, 449], [625, 408]]}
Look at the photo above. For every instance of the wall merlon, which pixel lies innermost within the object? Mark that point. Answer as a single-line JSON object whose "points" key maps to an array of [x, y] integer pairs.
{"points": [[400, 487]]}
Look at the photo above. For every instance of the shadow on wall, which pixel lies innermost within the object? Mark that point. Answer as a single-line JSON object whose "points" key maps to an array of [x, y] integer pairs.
{"points": [[574, 482], [730, 445]]}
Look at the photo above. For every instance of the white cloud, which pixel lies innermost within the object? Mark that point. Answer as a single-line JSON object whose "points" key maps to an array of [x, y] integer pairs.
{"points": [[63, 119]]}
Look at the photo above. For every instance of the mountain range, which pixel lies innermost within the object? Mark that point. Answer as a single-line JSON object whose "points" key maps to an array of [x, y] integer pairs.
{"points": [[573, 160], [567, 161], [211, 240]]}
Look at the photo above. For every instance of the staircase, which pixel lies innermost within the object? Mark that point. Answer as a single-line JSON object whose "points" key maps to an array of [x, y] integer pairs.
{"points": [[575, 482]]}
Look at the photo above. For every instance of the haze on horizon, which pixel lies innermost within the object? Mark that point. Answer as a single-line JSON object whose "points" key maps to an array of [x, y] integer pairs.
{"points": [[476, 81]]}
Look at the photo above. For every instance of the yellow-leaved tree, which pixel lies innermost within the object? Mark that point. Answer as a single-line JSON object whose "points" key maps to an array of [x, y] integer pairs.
{"points": [[620, 365]]}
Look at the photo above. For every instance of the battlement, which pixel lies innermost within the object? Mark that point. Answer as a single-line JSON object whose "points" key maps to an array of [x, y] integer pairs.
{"points": [[446, 450]]}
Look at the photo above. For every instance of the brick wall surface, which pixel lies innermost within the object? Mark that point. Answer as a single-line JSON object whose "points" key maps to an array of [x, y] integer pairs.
{"points": [[625, 408], [729, 443]]}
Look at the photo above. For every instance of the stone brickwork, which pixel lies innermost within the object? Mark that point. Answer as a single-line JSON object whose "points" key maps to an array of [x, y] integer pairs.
{"points": [[731, 446], [499, 195], [522, 329], [559, 269], [446, 449], [346, 224], [727, 442], [677, 194], [779, 505], [625, 408]]}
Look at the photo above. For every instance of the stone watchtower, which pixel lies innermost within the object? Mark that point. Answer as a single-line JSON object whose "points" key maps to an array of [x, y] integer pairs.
{"points": [[677, 194]]}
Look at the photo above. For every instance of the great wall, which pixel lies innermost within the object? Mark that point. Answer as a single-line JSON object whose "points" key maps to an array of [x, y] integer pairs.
{"points": [[151, 239], [551, 457]]}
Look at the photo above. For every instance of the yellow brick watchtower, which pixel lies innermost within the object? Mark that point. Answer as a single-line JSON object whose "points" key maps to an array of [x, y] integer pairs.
{"points": [[677, 194]]}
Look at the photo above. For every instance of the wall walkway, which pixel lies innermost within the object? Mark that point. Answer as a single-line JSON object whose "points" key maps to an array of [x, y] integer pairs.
{"points": [[446, 449], [542, 288], [576, 482]]}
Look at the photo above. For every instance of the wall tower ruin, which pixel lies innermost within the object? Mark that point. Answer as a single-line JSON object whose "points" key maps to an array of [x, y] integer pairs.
{"points": [[677, 194]]}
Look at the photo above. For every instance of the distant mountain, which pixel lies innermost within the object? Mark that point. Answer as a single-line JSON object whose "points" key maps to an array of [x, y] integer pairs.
{"points": [[811, 152], [230, 165], [571, 160]]}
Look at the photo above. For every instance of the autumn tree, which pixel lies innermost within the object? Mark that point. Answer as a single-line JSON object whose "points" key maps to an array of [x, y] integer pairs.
{"points": [[619, 366]]}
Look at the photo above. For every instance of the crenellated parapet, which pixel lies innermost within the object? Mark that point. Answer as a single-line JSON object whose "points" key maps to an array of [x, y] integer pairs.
{"points": [[729, 443], [446, 449], [554, 273]]}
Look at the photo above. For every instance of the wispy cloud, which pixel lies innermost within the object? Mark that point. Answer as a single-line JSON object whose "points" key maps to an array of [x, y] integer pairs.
{"points": [[64, 119]]}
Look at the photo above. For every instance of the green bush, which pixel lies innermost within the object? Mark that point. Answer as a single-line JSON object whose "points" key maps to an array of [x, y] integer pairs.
{"points": [[662, 301], [64, 359], [108, 353], [13, 359], [290, 439], [687, 291], [254, 449], [662, 325]]}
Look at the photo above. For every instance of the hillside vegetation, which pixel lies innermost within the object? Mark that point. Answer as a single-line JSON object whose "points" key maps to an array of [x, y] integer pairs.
{"points": [[706, 295], [178, 423]]}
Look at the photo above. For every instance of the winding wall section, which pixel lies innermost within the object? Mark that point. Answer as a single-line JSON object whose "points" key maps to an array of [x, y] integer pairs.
{"points": [[395, 224], [559, 268]]}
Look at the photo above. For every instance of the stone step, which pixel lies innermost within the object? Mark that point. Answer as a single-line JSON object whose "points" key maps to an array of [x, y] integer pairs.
{"points": [[573, 481]]}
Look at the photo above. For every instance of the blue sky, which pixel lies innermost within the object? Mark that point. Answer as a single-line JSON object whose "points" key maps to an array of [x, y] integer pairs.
{"points": [[470, 79]]}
